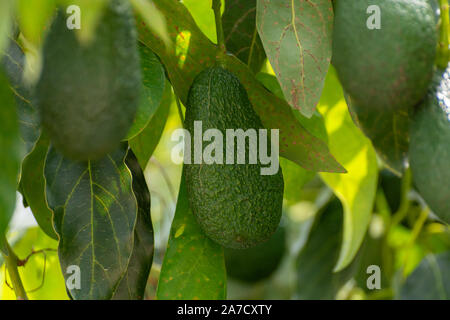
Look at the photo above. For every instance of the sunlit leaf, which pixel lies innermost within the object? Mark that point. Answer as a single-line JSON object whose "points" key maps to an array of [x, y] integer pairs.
{"points": [[34, 16], [42, 268], [194, 52], [94, 212], [356, 188], [10, 154], [297, 39], [203, 16], [194, 266], [153, 17], [6, 12], [153, 81], [132, 285]]}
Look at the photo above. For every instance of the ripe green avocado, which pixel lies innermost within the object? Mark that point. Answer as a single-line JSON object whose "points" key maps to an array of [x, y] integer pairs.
{"points": [[88, 93], [388, 68], [234, 204], [429, 152], [259, 262]]}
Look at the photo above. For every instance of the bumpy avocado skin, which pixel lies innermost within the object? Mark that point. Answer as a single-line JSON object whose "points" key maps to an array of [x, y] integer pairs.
{"points": [[429, 152], [388, 68], [234, 204], [257, 263], [88, 93]]}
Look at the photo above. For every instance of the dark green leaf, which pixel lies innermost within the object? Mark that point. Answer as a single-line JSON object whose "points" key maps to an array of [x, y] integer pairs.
{"points": [[429, 281], [14, 62], [316, 279], [94, 212], [388, 131], [153, 80], [297, 40], [241, 36], [10, 154], [132, 286], [194, 52], [146, 141], [33, 186], [194, 266]]}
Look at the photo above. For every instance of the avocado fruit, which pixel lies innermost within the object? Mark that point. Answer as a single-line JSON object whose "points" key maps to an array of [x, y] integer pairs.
{"points": [[234, 204], [389, 68], [259, 262], [88, 93], [429, 152]]}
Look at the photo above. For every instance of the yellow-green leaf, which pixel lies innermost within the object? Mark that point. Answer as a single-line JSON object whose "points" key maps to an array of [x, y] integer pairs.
{"points": [[356, 189]]}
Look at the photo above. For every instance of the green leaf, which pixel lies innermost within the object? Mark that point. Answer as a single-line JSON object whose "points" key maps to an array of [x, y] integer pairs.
{"points": [[356, 189], [10, 155], [194, 52], [203, 16], [316, 279], [145, 142], [41, 268], [6, 14], [34, 16], [14, 64], [153, 80], [297, 39], [429, 281], [241, 36], [132, 286], [295, 177], [94, 212], [33, 186], [388, 131], [194, 265], [153, 17]]}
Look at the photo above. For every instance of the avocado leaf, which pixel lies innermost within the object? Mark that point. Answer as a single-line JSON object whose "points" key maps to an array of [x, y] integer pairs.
{"points": [[94, 210], [241, 35], [153, 81], [14, 64], [357, 188], [146, 141], [194, 52], [194, 265], [429, 281], [33, 186], [132, 286], [10, 155], [297, 39], [315, 263]]}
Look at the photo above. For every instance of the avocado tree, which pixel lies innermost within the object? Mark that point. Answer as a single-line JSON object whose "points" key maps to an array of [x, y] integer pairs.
{"points": [[308, 141]]}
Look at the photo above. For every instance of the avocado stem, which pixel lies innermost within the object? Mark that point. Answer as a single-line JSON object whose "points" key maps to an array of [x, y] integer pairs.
{"points": [[444, 36], [219, 31], [12, 262]]}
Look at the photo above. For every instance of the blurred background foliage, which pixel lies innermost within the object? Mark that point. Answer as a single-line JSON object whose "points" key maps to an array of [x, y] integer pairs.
{"points": [[404, 239]]}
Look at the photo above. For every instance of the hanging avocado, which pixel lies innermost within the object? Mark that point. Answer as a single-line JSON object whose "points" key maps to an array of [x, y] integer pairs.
{"points": [[88, 93]]}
